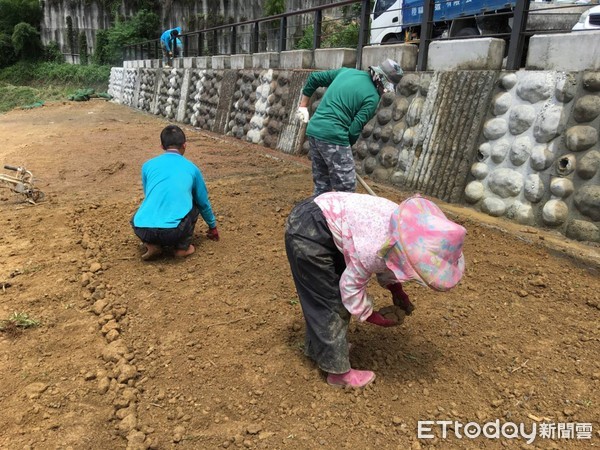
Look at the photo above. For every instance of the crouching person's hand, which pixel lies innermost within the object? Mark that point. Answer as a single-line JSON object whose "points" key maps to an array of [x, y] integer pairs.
{"points": [[213, 234]]}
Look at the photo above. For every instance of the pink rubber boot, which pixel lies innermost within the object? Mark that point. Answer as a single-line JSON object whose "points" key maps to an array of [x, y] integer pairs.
{"points": [[353, 378]]}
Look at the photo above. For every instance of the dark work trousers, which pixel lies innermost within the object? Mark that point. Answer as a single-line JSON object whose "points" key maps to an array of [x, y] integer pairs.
{"points": [[316, 266], [180, 237]]}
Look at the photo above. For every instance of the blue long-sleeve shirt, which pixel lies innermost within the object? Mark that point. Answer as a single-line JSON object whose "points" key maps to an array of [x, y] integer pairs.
{"points": [[167, 39], [172, 185]]}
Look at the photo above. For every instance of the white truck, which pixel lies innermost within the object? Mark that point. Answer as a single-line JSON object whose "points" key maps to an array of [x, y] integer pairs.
{"points": [[400, 20]]}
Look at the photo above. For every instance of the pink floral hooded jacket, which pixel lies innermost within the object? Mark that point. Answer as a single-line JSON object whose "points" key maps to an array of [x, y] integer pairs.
{"points": [[360, 228]]}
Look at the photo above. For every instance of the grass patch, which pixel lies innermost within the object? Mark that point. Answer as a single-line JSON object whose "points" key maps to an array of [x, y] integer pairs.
{"points": [[16, 322], [25, 83]]}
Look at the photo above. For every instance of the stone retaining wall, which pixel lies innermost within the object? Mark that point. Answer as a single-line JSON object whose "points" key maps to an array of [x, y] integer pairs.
{"points": [[520, 145]]}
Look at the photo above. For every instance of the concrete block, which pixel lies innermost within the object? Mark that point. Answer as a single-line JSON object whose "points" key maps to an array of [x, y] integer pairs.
{"points": [[466, 54], [240, 61], [268, 60], [221, 62], [570, 52], [296, 59], [178, 63], [189, 63], [403, 54], [334, 58], [204, 62], [147, 63], [155, 63]]}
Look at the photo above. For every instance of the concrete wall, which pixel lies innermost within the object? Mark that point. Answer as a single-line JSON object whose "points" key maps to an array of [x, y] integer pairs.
{"points": [[93, 15], [520, 145]]}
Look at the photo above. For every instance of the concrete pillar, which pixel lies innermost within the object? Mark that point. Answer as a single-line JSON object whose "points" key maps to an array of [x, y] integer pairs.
{"points": [[221, 62], [571, 52], [267, 60], [334, 58], [240, 61], [204, 62], [189, 63], [466, 54], [296, 59], [403, 54]]}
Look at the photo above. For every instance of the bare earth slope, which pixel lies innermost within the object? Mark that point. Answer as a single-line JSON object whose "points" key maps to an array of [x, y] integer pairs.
{"points": [[206, 352]]}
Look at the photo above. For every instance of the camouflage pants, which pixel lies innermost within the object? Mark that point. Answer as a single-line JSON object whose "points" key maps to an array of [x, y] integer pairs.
{"points": [[332, 167]]}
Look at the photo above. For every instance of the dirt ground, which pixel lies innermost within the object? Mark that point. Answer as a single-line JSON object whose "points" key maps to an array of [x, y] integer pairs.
{"points": [[206, 352]]}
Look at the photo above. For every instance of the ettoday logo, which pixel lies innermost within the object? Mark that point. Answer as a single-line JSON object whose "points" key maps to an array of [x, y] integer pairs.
{"points": [[508, 430]]}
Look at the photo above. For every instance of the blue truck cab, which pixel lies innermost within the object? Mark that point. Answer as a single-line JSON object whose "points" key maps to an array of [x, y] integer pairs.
{"points": [[400, 20]]}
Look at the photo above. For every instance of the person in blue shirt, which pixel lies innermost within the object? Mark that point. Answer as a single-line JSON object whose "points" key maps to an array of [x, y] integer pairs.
{"points": [[171, 45], [174, 196]]}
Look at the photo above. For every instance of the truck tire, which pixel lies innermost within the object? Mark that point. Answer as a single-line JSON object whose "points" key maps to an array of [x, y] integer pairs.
{"points": [[467, 31], [391, 39]]}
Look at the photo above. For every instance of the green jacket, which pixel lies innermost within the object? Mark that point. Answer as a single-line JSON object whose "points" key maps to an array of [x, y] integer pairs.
{"points": [[348, 104]]}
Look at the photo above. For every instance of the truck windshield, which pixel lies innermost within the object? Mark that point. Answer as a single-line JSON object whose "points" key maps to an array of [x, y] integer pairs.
{"points": [[382, 6]]}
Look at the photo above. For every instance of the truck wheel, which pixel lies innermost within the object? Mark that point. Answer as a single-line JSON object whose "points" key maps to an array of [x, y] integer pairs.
{"points": [[468, 31], [392, 39]]}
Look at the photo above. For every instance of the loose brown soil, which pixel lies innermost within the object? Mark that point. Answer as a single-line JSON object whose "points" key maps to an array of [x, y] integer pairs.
{"points": [[206, 351]]}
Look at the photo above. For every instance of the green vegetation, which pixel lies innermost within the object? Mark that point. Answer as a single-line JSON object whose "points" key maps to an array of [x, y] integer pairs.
{"points": [[334, 34], [19, 38], [83, 49], [18, 320], [30, 73], [145, 25], [26, 82]]}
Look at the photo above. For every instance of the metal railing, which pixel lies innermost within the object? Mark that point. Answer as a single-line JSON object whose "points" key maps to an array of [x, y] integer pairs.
{"points": [[321, 27]]}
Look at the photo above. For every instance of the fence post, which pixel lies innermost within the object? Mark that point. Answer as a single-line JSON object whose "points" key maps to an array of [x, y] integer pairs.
{"points": [[317, 31], [186, 42], [215, 49], [233, 49], [426, 34], [517, 37], [282, 34], [255, 36], [363, 32], [200, 43]]}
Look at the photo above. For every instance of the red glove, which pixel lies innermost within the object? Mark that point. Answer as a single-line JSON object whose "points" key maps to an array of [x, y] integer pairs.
{"points": [[400, 298], [213, 234], [377, 319]]}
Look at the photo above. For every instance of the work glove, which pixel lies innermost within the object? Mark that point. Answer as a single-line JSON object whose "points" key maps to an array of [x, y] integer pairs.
{"points": [[213, 234], [377, 319], [302, 114], [400, 298]]}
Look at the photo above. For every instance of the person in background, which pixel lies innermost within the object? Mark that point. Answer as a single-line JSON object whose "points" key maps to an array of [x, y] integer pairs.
{"points": [[335, 242], [174, 196], [170, 45], [349, 102]]}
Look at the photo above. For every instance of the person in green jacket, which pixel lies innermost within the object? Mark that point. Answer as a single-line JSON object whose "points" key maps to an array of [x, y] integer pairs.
{"points": [[349, 103]]}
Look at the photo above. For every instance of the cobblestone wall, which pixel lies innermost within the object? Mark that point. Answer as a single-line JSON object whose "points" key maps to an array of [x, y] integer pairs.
{"points": [[538, 163]]}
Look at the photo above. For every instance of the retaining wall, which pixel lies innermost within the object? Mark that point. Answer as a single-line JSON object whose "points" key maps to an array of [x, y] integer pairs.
{"points": [[520, 145]]}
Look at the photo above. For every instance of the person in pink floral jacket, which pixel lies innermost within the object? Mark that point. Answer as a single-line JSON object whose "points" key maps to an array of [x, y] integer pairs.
{"points": [[336, 241]]}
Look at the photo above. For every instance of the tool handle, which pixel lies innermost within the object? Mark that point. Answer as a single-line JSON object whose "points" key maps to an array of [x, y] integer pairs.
{"points": [[8, 167], [365, 185]]}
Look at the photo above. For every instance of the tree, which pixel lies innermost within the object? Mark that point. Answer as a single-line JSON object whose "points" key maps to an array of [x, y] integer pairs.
{"points": [[13, 12], [7, 51], [83, 49], [26, 41]]}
